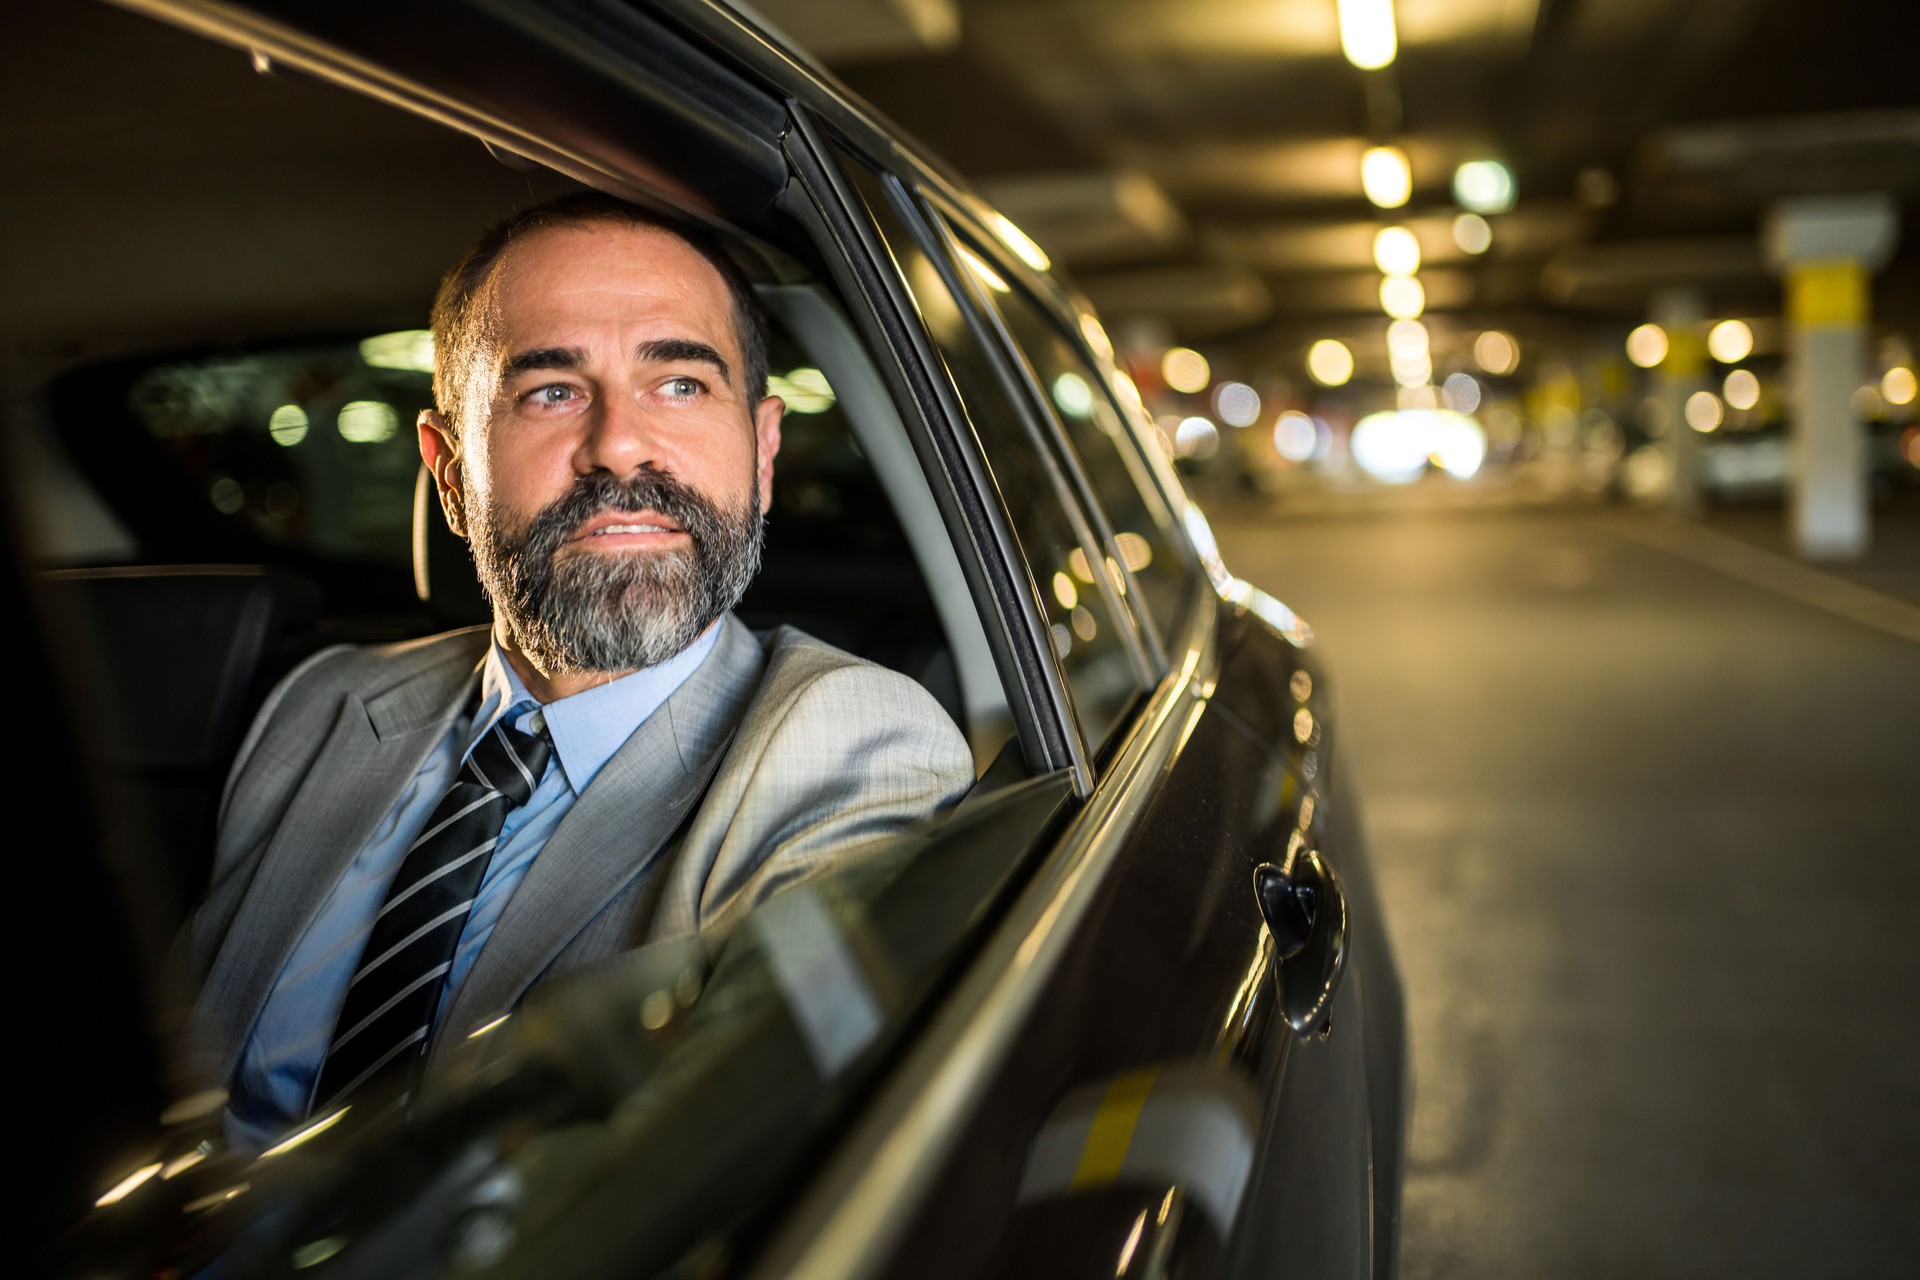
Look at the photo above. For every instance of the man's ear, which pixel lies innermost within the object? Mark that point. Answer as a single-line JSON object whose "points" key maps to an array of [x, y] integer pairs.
{"points": [[766, 433], [441, 452]]}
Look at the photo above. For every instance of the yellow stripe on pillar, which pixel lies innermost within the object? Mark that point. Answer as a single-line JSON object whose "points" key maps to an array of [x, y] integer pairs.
{"points": [[1112, 1130], [1827, 294], [1686, 351]]}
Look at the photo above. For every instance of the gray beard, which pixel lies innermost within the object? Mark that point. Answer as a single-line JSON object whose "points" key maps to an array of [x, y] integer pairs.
{"points": [[591, 612]]}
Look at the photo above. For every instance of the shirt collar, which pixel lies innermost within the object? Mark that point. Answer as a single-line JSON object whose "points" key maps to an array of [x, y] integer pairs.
{"points": [[590, 726]]}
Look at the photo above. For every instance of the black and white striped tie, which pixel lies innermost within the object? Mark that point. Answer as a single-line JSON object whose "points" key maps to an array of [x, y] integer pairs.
{"points": [[395, 991]]}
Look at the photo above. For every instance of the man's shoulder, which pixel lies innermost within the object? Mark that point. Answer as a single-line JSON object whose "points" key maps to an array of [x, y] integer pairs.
{"points": [[378, 665], [371, 671], [799, 665]]}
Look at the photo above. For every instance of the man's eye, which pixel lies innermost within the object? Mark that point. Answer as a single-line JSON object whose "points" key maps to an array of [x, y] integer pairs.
{"points": [[552, 393], [684, 387]]}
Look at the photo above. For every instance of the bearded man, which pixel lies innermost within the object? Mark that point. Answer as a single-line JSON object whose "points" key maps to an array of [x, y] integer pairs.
{"points": [[412, 836]]}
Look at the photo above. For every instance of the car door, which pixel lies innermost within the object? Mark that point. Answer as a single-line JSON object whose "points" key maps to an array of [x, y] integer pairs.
{"points": [[1114, 1088]]}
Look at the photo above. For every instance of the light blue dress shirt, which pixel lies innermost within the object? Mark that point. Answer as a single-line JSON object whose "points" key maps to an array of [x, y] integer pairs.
{"points": [[270, 1091]]}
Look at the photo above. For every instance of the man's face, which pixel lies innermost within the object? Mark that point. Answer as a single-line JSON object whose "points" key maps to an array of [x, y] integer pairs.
{"points": [[611, 471]]}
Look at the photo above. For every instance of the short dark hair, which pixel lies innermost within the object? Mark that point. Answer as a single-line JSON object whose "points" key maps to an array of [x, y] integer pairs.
{"points": [[456, 320]]}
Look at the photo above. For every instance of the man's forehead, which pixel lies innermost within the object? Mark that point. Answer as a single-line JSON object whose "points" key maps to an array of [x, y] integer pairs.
{"points": [[605, 270]]}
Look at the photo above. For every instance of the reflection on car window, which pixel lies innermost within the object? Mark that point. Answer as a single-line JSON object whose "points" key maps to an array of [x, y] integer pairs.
{"points": [[310, 447], [1063, 559], [1080, 396]]}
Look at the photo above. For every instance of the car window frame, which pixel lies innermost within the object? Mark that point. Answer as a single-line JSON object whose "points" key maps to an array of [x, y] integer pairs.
{"points": [[950, 447], [1010, 378], [944, 214]]}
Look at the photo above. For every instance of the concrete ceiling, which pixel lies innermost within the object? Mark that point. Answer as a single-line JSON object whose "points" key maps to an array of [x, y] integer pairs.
{"points": [[1196, 162]]}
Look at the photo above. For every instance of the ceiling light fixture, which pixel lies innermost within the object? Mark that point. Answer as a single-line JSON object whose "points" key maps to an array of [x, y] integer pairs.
{"points": [[1386, 176], [1402, 297], [1367, 34], [1396, 252], [1483, 186]]}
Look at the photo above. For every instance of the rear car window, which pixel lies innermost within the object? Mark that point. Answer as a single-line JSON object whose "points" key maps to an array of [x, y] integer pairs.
{"points": [[1087, 626], [1079, 396], [308, 446]]}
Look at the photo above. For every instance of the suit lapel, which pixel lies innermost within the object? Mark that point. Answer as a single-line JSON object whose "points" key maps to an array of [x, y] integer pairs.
{"points": [[374, 749], [614, 830]]}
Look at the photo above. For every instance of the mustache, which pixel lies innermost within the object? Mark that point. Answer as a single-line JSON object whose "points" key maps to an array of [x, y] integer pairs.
{"points": [[600, 492]]}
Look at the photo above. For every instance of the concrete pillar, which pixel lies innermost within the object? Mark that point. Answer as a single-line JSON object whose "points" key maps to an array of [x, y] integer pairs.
{"points": [[1825, 247], [1682, 313]]}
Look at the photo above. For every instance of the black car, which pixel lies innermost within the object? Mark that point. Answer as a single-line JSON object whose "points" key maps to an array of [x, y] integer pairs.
{"points": [[1128, 1010]]}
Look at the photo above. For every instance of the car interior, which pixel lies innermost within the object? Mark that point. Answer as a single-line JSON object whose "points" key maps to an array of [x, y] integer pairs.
{"points": [[217, 299]]}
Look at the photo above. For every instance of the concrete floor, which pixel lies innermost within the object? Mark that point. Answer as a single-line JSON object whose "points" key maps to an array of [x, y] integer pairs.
{"points": [[1649, 840]]}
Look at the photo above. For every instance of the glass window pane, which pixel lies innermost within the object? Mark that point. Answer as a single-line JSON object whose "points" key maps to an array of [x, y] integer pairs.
{"points": [[1062, 558], [1080, 395], [309, 447]]}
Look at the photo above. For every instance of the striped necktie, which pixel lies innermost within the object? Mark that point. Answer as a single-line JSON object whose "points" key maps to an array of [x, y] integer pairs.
{"points": [[388, 1015]]}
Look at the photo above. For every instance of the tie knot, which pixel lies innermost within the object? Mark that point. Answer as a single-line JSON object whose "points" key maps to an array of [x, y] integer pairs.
{"points": [[509, 761]]}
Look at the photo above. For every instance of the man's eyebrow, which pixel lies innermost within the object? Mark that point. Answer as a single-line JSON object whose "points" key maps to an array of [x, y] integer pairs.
{"points": [[669, 350], [544, 358]]}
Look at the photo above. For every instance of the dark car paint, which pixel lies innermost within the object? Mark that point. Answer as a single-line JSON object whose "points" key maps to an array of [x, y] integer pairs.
{"points": [[1155, 977]]}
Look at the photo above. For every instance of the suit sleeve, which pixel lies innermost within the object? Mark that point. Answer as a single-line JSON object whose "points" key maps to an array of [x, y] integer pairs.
{"points": [[862, 755]]}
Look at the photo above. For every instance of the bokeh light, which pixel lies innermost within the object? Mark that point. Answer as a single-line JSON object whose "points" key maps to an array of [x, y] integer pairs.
{"points": [[287, 425], [367, 422], [1185, 369], [1367, 34], [1329, 363], [1396, 251], [1402, 297], [1742, 389], [1406, 338], [1496, 352], [1483, 186], [1898, 385], [1647, 345], [1397, 446], [1386, 177], [1473, 233], [1461, 392], [1196, 438], [805, 390], [1704, 412], [1294, 436], [1730, 341], [1237, 404]]}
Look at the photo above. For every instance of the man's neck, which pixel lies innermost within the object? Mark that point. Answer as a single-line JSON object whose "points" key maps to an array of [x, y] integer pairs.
{"points": [[550, 686]]}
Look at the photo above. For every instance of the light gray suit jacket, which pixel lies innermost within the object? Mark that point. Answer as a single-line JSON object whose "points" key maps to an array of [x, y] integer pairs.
{"points": [[810, 752]]}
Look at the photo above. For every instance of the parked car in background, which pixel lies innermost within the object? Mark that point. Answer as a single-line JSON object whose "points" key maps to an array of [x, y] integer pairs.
{"points": [[1128, 1010]]}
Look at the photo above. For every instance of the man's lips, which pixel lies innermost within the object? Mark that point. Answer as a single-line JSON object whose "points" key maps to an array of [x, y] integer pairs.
{"points": [[619, 527]]}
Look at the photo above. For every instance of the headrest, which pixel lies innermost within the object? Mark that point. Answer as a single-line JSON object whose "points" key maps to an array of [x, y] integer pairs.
{"points": [[183, 651], [442, 566]]}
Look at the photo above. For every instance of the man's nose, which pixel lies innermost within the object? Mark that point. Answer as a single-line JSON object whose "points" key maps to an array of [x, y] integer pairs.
{"points": [[621, 437]]}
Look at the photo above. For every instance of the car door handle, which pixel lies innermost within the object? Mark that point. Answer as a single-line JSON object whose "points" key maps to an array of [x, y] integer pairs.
{"points": [[1306, 912]]}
